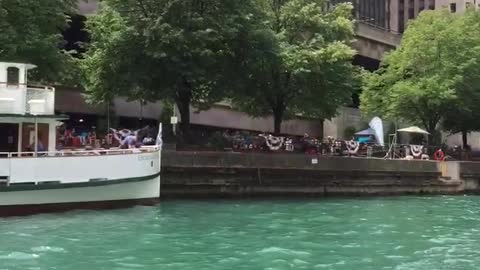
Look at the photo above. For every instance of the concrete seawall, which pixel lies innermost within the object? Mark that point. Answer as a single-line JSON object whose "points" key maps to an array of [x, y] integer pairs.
{"points": [[224, 174]]}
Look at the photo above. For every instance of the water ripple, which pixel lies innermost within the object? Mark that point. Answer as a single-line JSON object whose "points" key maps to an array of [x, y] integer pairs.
{"points": [[379, 233]]}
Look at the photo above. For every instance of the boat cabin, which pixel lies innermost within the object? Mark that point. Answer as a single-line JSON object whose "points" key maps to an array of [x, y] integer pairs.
{"points": [[26, 112]]}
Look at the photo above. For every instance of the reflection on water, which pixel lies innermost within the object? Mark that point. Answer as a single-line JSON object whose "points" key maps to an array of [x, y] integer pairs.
{"points": [[377, 233]]}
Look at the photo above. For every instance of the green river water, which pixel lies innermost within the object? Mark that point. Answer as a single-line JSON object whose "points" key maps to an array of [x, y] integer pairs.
{"points": [[375, 233]]}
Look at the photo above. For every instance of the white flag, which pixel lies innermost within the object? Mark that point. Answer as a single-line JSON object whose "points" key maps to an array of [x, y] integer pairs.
{"points": [[159, 141]]}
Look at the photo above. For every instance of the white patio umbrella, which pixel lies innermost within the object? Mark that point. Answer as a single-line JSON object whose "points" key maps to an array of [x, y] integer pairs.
{"points": [[413, 129]]}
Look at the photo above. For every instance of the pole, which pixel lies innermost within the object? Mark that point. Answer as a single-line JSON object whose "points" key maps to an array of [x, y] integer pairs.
{"points": [[159, 144], [174, 125], [140, 114], [395, 139], [108, 123], [36, 136], [108, 116], [20, 135]]}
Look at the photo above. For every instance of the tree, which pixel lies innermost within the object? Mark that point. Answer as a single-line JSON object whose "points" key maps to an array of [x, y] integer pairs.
{"points": [[433, 73], [463, 117], [31, 32], [298, 61], [176, 50]]}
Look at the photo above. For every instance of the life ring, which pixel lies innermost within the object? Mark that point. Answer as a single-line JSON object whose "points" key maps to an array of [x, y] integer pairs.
{"points": [[439, 155]]}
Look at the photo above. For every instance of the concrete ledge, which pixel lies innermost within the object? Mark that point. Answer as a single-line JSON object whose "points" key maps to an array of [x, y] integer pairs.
{"points": [[172, 159], [223, 174], [373, 42], [379, 35], [469, 169]]}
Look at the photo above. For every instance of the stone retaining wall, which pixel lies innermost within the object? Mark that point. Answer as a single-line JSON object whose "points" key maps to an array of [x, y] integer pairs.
{"points": [[210, 174]]}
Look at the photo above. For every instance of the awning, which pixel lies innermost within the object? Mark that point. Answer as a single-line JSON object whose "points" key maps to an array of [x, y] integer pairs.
{"points": [[366, 132], [413, 129]]}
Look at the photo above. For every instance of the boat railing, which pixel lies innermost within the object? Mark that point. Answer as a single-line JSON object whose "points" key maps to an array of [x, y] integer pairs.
{"points": [[12, 100], [22, 99], [40, 99], [76, 153]]}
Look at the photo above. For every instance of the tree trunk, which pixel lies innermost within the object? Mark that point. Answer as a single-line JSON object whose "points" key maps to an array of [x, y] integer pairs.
{"points": [[432, 137], [183, 101], [278, 119], [464, 139]]}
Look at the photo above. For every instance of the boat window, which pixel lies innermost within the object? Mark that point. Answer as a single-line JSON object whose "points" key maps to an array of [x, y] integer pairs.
{"points": [[13, 76]]}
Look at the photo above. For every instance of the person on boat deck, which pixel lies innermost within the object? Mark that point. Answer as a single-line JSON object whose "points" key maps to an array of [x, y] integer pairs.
{"points": [[129, 142], [40, 146], [83, 137], [148, 140], [76, 141]]}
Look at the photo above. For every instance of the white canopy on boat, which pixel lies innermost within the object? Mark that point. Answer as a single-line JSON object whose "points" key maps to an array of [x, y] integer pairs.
{"points": [[413, 129]]}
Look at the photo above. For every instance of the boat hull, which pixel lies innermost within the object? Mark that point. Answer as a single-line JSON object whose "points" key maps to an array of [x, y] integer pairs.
{"points": [[26, 200]]}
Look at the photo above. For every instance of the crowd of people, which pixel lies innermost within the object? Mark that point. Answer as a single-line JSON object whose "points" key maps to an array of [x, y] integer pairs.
{"points": [[265, 142], [71, 137], [75, 138]]}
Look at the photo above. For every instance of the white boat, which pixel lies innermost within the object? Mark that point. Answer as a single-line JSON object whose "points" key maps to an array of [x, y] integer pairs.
{"points": [[32, 181]]}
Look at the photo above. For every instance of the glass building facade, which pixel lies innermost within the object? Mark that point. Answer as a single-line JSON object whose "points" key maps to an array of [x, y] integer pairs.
{"points": [[373, 12], [391, 15]]}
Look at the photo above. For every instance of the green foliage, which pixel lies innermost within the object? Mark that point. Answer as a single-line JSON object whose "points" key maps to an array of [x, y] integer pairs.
{"points": [[31, 33], [176, 50], [349, 132], [107, 119], [167, 113], [298, 61], [218, 141], [433, 75]]}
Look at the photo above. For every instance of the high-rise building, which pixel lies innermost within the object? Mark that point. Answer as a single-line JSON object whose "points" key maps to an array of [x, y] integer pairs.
{"points": [[393, 15], [404, 10], [457, 5], [373, 12]]}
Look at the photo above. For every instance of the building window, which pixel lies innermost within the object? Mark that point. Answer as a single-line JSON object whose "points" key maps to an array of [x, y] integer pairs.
{"points": [[411, 9], [13, 76], [411, 13], [453, 7]]}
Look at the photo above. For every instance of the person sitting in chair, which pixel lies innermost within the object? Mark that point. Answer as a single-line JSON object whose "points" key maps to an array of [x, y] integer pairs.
{"points": [[40, 146]]}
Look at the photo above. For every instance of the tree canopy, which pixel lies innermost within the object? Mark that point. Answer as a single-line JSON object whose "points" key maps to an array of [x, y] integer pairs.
{"points": [[299, 61], [32, 33], [433, 75], [177, 50]]}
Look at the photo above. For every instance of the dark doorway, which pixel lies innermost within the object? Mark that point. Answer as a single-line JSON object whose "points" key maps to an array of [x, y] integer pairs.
{"points": [[366, 62], [8, 137]]}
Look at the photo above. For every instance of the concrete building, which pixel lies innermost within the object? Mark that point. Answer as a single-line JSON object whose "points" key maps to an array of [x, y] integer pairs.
{"points": [[219, 116], [381, 22], [87, 7], [457, 5]]}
